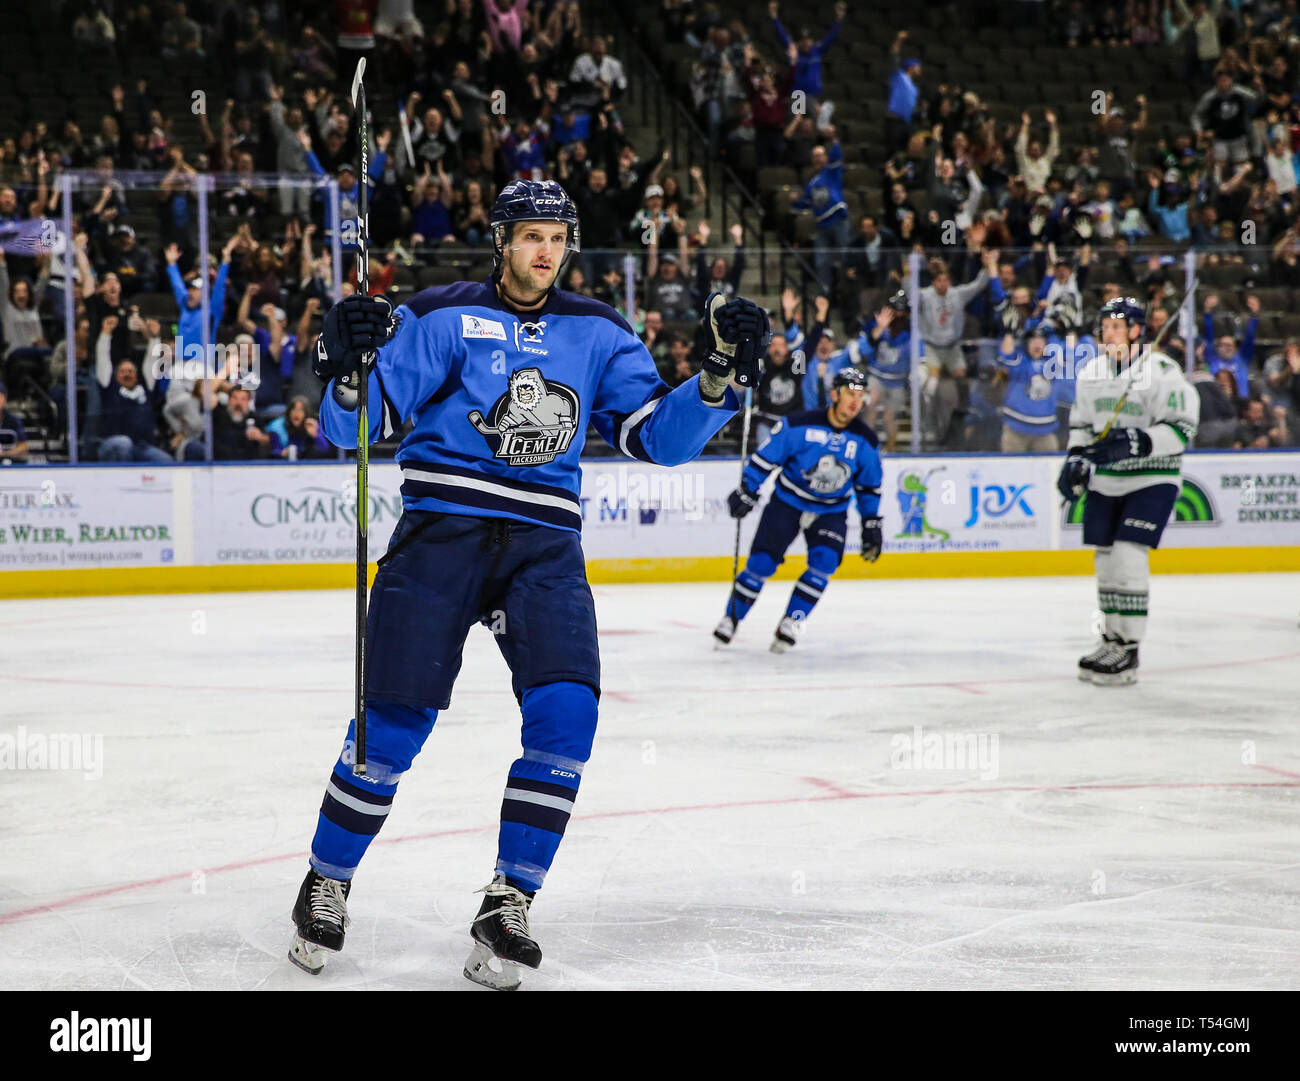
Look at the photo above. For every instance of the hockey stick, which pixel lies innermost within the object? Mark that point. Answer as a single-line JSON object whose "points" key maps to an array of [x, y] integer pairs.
{"points": [[744, 454], [363, 416], [1191, 287]]}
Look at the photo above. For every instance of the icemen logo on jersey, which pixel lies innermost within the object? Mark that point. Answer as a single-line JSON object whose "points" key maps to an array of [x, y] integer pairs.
{"points": [[829, 475], [533, 422], [528, 336], [471, 326]]}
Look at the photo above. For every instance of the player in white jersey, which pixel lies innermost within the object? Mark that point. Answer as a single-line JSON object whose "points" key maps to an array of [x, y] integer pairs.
{"points": [[1133, 415]]}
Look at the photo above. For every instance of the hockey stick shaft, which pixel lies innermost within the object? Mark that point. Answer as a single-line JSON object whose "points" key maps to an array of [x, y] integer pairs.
{"points": [[363, 417], [744, 455]]}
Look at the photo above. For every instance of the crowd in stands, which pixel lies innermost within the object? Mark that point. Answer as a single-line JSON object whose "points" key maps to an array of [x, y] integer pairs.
{"points": [[486, 91], [1026, 221], [1025, 227]]}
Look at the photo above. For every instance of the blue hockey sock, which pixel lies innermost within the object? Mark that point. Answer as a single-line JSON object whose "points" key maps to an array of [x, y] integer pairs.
{"points": [[748, 584], [559, 726], [355, 808], [744, 592], [807, 592]]}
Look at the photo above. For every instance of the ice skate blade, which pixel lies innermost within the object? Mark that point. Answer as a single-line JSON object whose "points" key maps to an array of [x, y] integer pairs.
{"points": [[1085, 675], [778, 646], [479, 969], [1119, 679], [307, 955], [719, 643]]}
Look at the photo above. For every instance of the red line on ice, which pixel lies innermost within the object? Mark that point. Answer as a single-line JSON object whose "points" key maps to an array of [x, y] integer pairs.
{"points": [[836, 793]]}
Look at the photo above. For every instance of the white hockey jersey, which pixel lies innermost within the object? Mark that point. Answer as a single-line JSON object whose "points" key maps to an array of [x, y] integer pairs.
{"points": [[1160, 401]]}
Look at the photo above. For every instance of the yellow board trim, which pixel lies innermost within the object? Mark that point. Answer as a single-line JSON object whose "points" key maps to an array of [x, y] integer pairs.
{"points": [[257, 577]]}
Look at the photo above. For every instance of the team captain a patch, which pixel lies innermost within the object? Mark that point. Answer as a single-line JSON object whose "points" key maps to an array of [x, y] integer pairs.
{"points": [[472, 326], [533, 422]]}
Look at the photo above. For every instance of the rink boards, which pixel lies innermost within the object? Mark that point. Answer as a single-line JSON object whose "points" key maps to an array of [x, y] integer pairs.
{"points": [[104, 530]]}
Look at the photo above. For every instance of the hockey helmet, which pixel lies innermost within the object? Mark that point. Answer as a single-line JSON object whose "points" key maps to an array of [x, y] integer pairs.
{"points": [[532, 200], [850, 377], [1129, 309], [899, 302]]}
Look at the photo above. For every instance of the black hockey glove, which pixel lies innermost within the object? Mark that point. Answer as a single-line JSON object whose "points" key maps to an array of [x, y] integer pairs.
{"points": [[873, 539], [1120, 443], [1075, 474], [741, 502], [354, 327], [738, 332]]}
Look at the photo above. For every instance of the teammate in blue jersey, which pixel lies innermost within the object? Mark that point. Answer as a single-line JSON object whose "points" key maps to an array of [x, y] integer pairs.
{"points": [[821, 459], [500, 380]]}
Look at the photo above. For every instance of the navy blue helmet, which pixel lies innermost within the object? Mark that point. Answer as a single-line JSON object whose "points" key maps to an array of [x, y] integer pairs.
{"points": [[532, 200], [851, 377], [1129, 309]]}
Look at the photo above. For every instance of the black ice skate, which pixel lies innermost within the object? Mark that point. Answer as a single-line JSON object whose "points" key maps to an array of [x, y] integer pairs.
{"points": [[724, 632], [500, 932], [1118, 665], [320, 915], [1088, 662]]}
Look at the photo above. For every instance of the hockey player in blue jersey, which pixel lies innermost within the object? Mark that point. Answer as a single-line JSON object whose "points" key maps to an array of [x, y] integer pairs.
{"points": [[821, 459], [500, 380]]}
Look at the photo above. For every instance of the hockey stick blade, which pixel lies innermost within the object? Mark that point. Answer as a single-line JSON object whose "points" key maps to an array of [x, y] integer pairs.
{"points": [[356, 80]]}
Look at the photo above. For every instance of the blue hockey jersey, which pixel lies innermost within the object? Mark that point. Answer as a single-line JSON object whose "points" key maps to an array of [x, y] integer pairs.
{"points": [[819, 467], [1030, 403], [501, 400], [891, 357]]}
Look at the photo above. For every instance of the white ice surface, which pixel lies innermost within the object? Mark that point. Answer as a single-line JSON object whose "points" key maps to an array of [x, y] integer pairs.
{"points": [[740, 825]]}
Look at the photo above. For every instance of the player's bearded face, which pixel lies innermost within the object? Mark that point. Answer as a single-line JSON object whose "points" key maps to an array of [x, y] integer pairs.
{"points": [[533, 257]]}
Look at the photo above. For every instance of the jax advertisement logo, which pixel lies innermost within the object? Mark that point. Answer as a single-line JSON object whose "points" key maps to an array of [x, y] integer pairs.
{"points": [[1192, 507], [984, 505], [1005, 505]]}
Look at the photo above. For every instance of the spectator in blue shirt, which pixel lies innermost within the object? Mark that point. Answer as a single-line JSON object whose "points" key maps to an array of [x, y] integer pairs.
{"points": [[297, 433], [903, 95], [189, 298], [1168, 209], [824, 196], [1226, 355], [808, 60]]}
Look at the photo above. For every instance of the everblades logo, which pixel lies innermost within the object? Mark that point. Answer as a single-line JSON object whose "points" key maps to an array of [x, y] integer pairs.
{"points": [[1192, 507]]}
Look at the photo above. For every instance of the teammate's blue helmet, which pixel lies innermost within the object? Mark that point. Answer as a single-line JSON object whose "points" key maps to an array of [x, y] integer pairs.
{"points": [[851, 377], [532, 200], [1127, 308]]}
